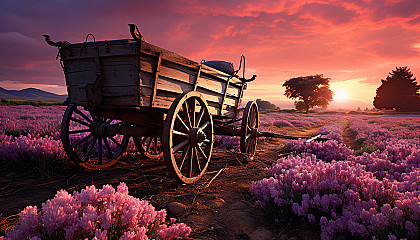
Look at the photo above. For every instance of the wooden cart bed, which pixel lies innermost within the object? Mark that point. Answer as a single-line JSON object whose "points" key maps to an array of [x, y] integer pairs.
{"points": [[129, 74]]}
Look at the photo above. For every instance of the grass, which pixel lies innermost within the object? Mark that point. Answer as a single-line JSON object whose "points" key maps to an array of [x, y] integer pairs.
{"points": [[8, 102]]}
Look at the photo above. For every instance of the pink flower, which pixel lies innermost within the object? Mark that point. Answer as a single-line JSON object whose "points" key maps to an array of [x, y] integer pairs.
{"points": [[179, 230]]}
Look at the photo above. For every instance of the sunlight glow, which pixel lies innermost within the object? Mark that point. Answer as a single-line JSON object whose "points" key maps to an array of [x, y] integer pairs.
{"points": [[340, 95]]}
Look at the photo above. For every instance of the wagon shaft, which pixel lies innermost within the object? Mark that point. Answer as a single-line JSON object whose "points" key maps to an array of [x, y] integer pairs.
{"points": [[275, 135]]}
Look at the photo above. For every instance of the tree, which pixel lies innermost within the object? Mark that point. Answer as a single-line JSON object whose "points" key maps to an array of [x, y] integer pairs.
{"points": [[265, 105], [399, 91], [309, 91]]}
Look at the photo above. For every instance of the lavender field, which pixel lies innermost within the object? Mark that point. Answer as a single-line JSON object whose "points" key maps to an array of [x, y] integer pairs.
{"points": [[363, 183]]}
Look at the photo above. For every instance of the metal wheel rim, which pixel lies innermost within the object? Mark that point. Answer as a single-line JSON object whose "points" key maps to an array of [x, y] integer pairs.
{"points": [[84, 146], [184, 155]]}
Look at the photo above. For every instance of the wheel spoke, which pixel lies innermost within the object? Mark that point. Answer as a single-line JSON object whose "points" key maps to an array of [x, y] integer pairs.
{"points": [[181, 133], [80, 121], [155, 146], [90, 148], [201, 152], [80, 131], [108, 148], [197, 158], [254, 117], [187, 114], [183, 123], [180, 145], [193, 112], [100, 150], [200, 115], [251, 117], [83, 115], [149, 144], [143, 140], [248, 144], [202, 127], [116, 142], [184, 156], [191, 161], [81, 141]]}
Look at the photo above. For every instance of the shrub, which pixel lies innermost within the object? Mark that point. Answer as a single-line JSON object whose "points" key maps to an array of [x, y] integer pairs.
{"points": [[96, 214]]}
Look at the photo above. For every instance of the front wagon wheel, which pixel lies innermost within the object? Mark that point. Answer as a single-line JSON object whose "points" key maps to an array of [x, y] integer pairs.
{"points": [[85, 140], [187, 137]]}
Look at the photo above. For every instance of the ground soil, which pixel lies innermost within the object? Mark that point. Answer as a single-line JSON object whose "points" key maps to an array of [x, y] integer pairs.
{"points": [[219, 208]]}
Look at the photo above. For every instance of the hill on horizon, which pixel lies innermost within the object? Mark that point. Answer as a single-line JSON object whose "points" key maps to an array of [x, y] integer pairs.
{"points": [[31, 94]]}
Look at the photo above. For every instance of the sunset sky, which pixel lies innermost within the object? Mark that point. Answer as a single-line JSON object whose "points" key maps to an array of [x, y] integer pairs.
{"points": [[355, 43]]}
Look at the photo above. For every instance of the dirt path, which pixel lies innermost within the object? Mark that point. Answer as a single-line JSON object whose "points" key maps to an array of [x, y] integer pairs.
{"points": [[218, 209], [349, 137]]}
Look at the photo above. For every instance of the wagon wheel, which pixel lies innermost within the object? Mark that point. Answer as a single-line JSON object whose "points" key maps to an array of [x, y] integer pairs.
{"points": [[86, 142], [187, 137], [249, 129], [150, 147]]}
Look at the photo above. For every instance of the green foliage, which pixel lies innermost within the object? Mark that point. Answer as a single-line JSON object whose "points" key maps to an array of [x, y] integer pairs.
{"points": [[7, 102], [366, 148], [309, 91], [399, 91], [265, 105]]}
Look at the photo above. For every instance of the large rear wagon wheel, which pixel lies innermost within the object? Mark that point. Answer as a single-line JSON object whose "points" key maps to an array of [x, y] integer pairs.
{"points": [[249, 129], [187, 137], [85, 142], [149, 147]]}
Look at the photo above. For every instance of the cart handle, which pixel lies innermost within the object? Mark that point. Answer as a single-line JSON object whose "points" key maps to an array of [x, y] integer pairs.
{"points": [[59, 44], [243, 79], [135, 33], [249, 79]]}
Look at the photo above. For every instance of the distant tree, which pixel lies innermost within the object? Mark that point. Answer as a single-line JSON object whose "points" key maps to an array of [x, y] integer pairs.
{"points": [[399, 91], [309, 91], [265, 105]]}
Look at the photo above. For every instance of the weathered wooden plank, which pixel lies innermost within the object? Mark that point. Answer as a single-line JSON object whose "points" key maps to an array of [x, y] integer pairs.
{"points": [[146, 79], [156, 76], [147, 92], [171, 56], [147, 63], [114, 73], [120, 91], [170, 85], [117, 48], [188, 75], [121, 101], [128, 94], [205, 82], [79, 78], [77, 95]]}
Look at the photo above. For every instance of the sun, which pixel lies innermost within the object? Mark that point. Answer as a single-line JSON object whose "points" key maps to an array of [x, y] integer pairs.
{"points": [[340, 95]]}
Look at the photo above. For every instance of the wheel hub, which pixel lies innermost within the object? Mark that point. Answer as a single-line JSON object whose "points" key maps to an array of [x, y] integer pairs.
{"points": [[100, 129], [197, 136]]}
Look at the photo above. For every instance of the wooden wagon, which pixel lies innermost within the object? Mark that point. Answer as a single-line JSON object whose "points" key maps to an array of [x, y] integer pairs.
{"points": [[170, 105]]}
